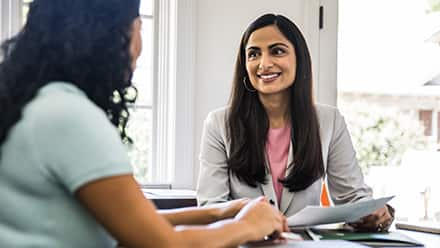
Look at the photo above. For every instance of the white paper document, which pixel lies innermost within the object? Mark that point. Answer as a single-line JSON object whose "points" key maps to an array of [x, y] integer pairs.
{"points": [[169, 193], [316, 215]]}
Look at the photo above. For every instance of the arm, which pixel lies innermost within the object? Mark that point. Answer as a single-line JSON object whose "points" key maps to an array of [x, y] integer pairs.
{"points": [[213, 183], [345, 178], [118, 204], [85, 156], [346, 181], [203, 215]]}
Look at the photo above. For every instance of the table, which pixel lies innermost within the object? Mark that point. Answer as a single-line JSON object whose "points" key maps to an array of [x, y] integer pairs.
{"points": [[428, 239], [176, 198], [171, 198]]}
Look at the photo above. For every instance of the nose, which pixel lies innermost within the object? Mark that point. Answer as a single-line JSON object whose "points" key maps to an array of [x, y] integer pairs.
{"points": [[266, 62]]}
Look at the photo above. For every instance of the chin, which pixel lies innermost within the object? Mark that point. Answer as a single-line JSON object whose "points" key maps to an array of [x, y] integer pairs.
{"points": [[272, 90]]}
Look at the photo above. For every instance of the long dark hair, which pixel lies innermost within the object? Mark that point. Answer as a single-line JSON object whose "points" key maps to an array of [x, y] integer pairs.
{"points": [[248, 124], [83, 42]]}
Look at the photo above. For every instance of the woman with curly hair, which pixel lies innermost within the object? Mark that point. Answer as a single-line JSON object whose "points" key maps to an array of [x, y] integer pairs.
{"points": [[65, 177]]}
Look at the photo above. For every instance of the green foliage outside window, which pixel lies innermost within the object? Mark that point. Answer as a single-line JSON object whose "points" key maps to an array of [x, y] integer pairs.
{"points": [[139, 129], [382, 135], [434, 5]]}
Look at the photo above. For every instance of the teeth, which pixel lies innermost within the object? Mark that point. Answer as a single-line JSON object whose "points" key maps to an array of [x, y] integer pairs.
{"points": [[269, 76]]}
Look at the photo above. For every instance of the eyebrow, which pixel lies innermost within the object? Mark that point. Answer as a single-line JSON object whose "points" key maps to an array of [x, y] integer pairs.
{"points": [[270, 47]]}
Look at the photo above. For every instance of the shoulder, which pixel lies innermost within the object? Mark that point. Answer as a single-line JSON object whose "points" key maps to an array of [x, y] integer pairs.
{"points": [[215, 126], [217, 116], [61, 112], [63, 104], [331, 122], [327, 113], [72, 137]]}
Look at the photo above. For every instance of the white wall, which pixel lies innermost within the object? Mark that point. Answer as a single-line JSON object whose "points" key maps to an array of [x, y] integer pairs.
{"points": [[209, 33], [326, 78]]}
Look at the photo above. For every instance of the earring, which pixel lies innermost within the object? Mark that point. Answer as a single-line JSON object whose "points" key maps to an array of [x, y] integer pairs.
{"points": [[245, 85]]}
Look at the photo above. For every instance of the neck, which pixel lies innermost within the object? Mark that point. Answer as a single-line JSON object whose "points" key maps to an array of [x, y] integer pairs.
{"points": [[277, 109]]}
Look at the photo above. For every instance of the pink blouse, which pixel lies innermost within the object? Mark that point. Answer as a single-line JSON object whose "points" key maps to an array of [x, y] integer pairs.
{"points": [[277, 149]]}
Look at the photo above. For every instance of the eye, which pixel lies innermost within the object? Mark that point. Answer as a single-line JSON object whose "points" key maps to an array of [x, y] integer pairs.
{"points": [[278, 51], [252, 54]]}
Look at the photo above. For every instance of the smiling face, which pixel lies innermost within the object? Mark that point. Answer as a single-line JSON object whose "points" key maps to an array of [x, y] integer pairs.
{"points": [[270, 61]]}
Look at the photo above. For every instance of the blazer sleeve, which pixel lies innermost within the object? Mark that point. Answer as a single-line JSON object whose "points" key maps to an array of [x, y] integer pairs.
{"points": [[213, 181], [344, 176]]}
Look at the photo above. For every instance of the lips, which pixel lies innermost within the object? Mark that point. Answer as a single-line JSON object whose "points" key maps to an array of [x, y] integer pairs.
{"points": [[269, 77]]}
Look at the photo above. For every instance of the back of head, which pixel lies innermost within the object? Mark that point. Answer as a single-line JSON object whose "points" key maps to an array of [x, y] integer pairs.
{"points": [[83, 42]]}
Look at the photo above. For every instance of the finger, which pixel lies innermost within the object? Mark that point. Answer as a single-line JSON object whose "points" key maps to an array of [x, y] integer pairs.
{"points": [[355, 223], [366, 225], [242, 202], [278, 217], [383, 216], [279, 227], [377, 226], [285, 225], [373, 218], [244, 199], [257, 200], [385, 222], [370, 221], [279, 221]]}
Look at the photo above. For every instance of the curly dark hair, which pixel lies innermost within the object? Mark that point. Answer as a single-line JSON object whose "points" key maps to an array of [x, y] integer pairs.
{"points": [[82, 42], [248, 124]]}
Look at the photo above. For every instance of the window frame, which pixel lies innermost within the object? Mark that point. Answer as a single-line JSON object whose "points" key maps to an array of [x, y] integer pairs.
{"points": [[10, 23], [173, 112]]}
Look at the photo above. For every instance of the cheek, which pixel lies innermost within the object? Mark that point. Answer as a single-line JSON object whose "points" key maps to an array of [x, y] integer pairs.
{"points": [[248, 69], [135, 50], [251, 69], [138, 46], [291, 68]]}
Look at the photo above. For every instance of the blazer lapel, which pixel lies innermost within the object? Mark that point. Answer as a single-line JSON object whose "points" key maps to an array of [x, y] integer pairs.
{"points": [[267, 188], [286, 196], [269, 191]]}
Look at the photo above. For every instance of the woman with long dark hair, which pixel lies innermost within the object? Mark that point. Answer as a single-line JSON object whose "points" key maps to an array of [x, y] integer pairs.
{"points": [[65, 177], [273, 139]]}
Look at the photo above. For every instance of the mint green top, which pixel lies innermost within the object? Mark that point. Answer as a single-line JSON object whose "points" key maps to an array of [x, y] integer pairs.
{"points": [[62, 142]]}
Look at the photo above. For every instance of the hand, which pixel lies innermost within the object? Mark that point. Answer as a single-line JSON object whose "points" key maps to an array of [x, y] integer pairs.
{"points": [[379, 221], [261, 218], [231, 208]]}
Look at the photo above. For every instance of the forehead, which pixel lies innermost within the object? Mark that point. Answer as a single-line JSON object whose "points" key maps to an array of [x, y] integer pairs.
{"points": [[266, 36]]}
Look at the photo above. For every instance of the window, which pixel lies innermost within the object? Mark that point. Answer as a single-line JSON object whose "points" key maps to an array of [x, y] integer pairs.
{"points": [[389, 93], [153, 156], [141, 120], [24, 10], [10, 22]]}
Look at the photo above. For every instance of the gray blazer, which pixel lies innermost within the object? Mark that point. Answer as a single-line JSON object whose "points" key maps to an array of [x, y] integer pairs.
{"points": [[344, 176]]}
